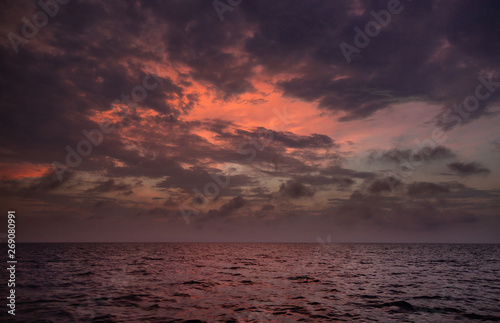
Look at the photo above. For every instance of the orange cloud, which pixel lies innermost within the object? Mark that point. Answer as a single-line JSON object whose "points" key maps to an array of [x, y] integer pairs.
{"points": [[20, 171]]}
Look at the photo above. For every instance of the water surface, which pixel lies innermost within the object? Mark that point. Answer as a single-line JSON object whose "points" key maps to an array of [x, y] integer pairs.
{"points": [[250, 282]]}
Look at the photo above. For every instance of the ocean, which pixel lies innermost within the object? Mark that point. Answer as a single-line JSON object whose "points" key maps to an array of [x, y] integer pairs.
{"points": [[255, 282]]}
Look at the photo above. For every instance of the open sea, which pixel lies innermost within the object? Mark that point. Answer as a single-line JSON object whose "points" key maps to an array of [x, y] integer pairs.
{"points": [[255, 282]]}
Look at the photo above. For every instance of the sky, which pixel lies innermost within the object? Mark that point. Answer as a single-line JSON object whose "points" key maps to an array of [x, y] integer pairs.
{"points": [[238, 120]]}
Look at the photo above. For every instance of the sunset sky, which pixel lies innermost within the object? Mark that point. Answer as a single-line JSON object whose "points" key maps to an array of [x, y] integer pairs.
{"points": [[289, 121]]}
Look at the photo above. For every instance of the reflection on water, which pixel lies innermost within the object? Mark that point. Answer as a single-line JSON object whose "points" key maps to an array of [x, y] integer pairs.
{"points": [[257, 282]]}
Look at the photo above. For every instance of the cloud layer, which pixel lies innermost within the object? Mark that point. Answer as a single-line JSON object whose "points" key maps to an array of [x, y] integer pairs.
{"points": [[256, 127]]}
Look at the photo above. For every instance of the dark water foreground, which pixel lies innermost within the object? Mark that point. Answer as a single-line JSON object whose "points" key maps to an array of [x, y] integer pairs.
{"points": [[256, 283]]}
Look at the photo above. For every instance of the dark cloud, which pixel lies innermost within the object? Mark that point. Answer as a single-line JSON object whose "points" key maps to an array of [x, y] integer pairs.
{"points": [[34, 187], [199, 177], [339, 171], [437, 153], [397, 155], [396, 213], [267, 207], [49, 182], [235, 203], [295, 190], [111, 186], [171, 203], [93, 52], [342, 182], [226, 209], [468, 169], [426, 188], [267, 137], [301, 39], [315, 140], [425, 67], [193, 37], [380, 185], [84, 70]]}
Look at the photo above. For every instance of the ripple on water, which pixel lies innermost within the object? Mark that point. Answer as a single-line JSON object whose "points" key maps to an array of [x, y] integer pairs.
{"points": [[258, 283]]}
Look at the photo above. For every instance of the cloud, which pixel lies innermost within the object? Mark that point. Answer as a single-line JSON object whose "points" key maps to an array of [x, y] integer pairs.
{"points": [[235, 203], [111, 186], [265, 53], [468, 169], [43, 185], [343, 182], [317, 180], [380, 185], [427, 189], [365, 210], [49, 182], [396, 155], [267, 207], [431, 63], [339, 171], [225, 210], [315, 140], [295, 190]]}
